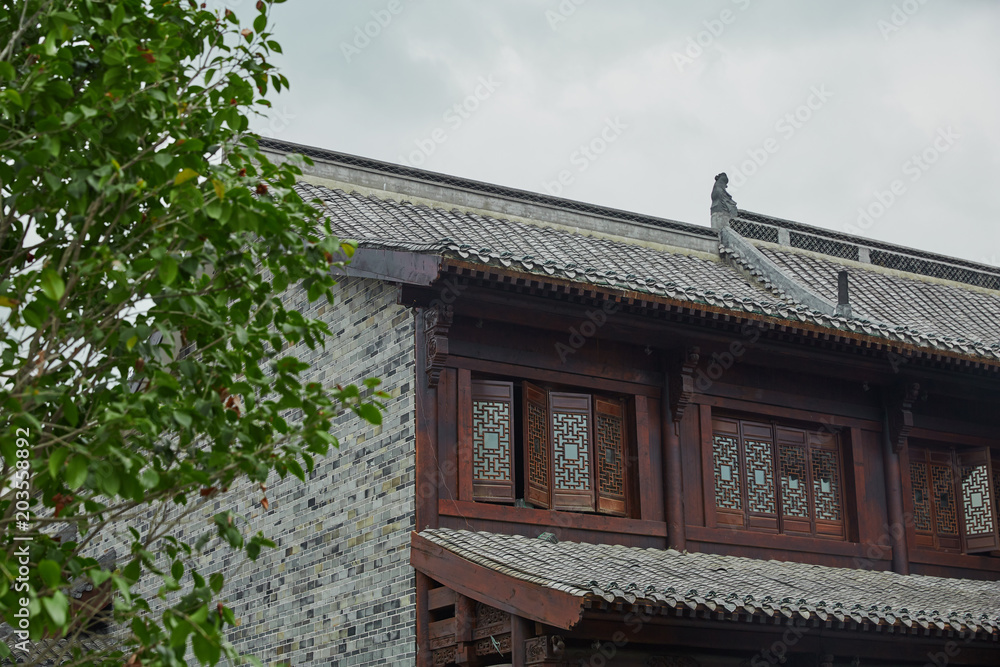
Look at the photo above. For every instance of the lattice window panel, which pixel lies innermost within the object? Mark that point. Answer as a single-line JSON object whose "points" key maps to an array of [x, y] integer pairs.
{"points": [[943, 489], [826, 484], [725, 452], [996, 485], [921, 496], [759, 459], [537, 450], [977, 501], [491, 440], [571, 448], [794, 482], [609, 450]]}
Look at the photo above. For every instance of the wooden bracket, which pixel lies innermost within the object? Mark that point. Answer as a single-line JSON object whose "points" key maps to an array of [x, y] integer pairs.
{"points": [[681, 380], [437, 321], [899, 406], [544, 650]]}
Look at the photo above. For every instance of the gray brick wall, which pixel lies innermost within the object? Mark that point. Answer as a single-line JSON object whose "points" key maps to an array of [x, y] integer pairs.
{"points": [[338, 589]]}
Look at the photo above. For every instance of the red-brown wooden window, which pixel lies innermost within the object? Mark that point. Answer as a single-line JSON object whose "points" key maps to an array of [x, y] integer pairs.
{"points": [[777, 478], [954, 495], [573, 448], [492, 440]]}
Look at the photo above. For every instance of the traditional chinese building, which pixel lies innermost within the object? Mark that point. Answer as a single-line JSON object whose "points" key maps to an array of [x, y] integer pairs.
{"points": [[620, 439]]}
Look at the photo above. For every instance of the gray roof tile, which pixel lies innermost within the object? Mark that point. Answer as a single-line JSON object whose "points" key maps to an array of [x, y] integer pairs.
{"points": [[918, 312], [731, 584]]}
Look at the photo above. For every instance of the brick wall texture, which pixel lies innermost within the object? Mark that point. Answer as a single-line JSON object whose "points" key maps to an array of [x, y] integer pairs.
{"points": [[338, 589]]}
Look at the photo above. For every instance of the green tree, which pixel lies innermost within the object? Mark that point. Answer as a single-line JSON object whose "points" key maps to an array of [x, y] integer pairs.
{"points": [[146, 361]]}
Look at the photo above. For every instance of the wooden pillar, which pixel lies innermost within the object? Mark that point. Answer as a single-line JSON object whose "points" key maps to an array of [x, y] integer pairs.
{"points": [[424, 658], [673, 492], [427, 478], [520, 631], [894, 500]]}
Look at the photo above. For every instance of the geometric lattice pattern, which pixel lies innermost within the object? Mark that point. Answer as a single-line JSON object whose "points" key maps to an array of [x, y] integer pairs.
{"points": [[725, 452], [977, 501], [572, 451], [826, 484], [794, 493], [491, 440], [760, 477], [944, 500], [996, 485], [611, 467], [921, 496], [538, 453]]}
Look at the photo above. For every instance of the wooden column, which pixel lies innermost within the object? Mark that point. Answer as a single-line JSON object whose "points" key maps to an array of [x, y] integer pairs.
{"points": [[520, 631], [427, 479], [894, 500], [673, 492], [424, 658]]}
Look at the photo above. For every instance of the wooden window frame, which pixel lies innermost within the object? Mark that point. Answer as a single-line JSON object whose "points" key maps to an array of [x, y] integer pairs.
{"points": [[949, 459], [779, 436], [609, 433]]}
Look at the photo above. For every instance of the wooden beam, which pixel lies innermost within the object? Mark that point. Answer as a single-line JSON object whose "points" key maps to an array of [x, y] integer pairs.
{"points": [[551, 518], [750, 538], [766, 640], [439, 598], [516, 597]]}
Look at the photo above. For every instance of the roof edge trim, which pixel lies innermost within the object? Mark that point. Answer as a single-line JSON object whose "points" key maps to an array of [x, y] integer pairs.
{"points": [[544, 605]]}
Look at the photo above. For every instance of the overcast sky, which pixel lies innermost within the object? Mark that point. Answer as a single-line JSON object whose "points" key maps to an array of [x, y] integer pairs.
{"points": [[818, 111]]}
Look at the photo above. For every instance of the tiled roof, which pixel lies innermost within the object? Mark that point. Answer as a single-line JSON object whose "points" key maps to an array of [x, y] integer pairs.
{"points": [[386, 223], [731, 585], [935, 308], [923, 313]]}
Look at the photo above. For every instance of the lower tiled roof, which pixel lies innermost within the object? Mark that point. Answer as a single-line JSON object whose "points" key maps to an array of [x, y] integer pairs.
{"points": [[732, 585]]}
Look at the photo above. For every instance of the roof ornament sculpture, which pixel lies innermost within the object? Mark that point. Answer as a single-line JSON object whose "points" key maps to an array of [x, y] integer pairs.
{"points": [[722, 201]]}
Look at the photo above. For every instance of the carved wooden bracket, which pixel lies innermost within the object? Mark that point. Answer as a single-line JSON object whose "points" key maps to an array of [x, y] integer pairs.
{"points": [[437, 321], [544, 650], [899, 406], [681, 381]]}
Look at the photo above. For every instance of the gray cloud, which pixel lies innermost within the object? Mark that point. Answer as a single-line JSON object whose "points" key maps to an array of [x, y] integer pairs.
{"points": [[893, 89]]}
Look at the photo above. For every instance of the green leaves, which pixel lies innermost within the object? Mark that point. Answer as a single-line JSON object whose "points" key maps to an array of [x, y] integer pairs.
{"points": [[185, 175], [52, 285], [50, 572], [56, 607], [168, 270], [136, 278], [76, 473]]}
